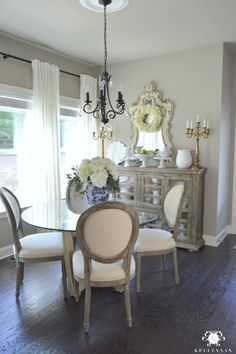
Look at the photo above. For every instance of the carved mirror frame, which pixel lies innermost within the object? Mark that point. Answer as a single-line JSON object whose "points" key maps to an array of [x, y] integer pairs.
{"points": [[151, 95]]}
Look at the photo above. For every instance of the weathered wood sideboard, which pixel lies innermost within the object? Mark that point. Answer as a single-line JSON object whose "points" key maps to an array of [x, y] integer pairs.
{"points": [[148, 185]]}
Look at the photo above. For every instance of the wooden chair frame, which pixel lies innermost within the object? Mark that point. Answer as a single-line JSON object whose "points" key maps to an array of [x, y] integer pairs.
{"points": [[89, 256]]}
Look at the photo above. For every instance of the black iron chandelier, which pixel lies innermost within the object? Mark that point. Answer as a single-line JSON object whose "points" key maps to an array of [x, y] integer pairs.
{"points": [[104, 109]]}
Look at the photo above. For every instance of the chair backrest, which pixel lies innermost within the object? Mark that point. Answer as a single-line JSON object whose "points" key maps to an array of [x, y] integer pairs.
{"points": [[13, 211], [172, 204], [106, 232], [76, 203]]}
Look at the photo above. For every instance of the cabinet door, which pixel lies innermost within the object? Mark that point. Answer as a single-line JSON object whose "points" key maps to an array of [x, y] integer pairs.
{"points": [[151, 189], [128, 187], [185, 227]]}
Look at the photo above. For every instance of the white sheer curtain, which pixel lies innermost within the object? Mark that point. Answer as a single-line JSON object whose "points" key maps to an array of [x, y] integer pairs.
{"points": [[78, 137], [79, 143], [45, 144]]}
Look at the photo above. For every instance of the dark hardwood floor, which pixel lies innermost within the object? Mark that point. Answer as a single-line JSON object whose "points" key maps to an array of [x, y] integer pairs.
{"points": [[167, 319]]}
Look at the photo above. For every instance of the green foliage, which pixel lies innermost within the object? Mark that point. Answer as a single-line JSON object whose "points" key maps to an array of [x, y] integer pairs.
{"points": [[74, 178], [8, 123], [112, 184]]}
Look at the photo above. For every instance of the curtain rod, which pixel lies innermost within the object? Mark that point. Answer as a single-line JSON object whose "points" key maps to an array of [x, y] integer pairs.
{"points": [[5, 56]]}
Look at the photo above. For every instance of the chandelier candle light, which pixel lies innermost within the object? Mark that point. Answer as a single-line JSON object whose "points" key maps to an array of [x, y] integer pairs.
{"points": [[102, 135], [197, 132], [104, 109]]}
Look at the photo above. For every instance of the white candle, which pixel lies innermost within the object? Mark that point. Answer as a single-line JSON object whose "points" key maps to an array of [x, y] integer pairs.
{"points": [[187, 124], [204, 123], [208, 125], [198, 119], [191, 125]]}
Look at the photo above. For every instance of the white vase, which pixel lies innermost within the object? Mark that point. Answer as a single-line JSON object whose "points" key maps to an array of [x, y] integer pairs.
{"points": [[183, 158]]}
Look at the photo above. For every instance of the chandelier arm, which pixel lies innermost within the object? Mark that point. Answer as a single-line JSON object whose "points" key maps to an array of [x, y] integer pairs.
{"points": [[120, 105], [110, 114], [96, 114], [87, 108]]}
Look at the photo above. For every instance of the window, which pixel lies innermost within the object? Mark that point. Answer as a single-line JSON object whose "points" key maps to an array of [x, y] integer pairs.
{"points": [[11, 126], [15, 110]]}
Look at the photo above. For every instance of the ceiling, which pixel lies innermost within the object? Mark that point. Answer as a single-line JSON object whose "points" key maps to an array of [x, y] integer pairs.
{"points": [[143, 29]]}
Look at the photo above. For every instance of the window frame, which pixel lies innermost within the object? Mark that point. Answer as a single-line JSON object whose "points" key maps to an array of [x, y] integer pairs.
{"points": [[69, 106]]}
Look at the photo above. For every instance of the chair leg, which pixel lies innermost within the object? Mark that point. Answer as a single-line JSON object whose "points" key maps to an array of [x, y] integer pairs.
{"points": [[175, 264], [19, 272], [163, 257], [64, 280], [138, 272], [87, 308], [22, 272], [77, 291], [127, 306]]}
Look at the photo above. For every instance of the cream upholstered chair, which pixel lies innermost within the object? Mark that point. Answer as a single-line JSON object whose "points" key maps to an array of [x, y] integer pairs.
{"points": [[76, 203], [41, 247], [106, 234], [153, 241]]}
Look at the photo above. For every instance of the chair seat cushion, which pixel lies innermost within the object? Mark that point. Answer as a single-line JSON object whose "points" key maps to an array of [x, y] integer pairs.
{"points": [[154, 240], [100, 271], [41, 245]]}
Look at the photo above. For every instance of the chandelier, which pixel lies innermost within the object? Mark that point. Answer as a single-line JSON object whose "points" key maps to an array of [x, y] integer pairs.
{"points": [[104, 110]]}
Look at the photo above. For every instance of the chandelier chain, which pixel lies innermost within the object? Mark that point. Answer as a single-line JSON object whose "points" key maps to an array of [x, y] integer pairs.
{"points": [[105, 37]]}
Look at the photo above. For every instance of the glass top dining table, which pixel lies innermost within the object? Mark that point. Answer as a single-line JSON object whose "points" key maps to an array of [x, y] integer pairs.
{"points": [[55, 215]]}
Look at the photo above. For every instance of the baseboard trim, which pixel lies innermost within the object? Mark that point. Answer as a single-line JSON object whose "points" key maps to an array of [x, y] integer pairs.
{"points": [[232, 229], [214, 241], [6, 252]]}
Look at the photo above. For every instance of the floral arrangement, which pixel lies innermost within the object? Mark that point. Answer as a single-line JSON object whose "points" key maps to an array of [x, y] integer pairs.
{"points": [[101, 172], [148, 118]]}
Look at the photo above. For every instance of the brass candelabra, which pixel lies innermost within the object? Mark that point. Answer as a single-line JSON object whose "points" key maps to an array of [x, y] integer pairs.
{"points": [[102, 135], [197, 132]]}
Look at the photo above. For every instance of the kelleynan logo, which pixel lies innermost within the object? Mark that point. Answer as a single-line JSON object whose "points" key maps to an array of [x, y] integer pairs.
{"points": [[213, 341], [213, 338]]}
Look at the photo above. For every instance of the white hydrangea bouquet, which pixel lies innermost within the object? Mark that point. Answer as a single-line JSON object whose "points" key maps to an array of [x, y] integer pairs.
{"points": [[99, 171]]}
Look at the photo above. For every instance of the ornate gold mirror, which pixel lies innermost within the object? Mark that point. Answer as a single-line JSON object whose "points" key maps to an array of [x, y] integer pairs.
{"points": [[151, 116]]}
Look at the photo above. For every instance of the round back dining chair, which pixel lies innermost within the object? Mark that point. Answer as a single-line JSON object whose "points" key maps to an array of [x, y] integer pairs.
{"points": [[106, 234], [41, 247], [160, 241]]}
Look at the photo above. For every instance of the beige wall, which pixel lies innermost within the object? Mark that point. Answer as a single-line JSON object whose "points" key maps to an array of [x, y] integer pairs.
{"points": [[233, 159], [19, 74], [192, 79], [225, 171]]}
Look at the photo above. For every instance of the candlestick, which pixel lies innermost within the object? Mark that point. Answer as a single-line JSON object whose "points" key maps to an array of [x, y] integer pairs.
{"points": [[198, 133], [187, 123], [87, 97], [103, 134]]}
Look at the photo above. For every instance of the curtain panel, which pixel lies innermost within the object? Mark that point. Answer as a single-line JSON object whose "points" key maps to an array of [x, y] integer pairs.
{"points": [[45, 147]]}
